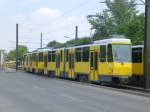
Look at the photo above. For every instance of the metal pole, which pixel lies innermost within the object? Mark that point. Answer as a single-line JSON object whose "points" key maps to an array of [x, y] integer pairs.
{"points": [[76, 32], [147, 45], [16, 47], [41, 40]]}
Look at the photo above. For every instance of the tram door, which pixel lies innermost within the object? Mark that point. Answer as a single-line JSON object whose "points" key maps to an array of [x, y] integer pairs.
{"points": [[57, 64], [45, 64], [71, 65], [93, 65]]}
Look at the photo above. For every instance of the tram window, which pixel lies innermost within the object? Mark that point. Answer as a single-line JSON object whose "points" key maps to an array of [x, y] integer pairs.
{"points": [[61, 55], [30, 60], [49, 56], [92, 63], [96, 59], [102, 53], [67, 53], [109, 53], [33, 57], [37, 57], [78, 54], [58, 60], [85, 54], [45, 61], [69, 60], [41, 57], [72, 61], [53, 56], [137, 55]]}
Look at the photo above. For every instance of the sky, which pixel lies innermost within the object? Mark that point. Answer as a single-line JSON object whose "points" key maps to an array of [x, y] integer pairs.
{"points": [[55, 18]]}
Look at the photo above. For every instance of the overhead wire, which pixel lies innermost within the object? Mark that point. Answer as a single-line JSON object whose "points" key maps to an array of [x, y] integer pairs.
{"points": [[65, 13], [65, 26], [62, 27], [71, 10]]}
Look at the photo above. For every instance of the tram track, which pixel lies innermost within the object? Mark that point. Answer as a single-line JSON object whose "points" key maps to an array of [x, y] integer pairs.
{"points": [[120, 88]]}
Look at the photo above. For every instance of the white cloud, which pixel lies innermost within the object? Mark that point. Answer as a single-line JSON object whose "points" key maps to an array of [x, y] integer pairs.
{"points": [[2, 3], [50, 20], [31, 23], [40, 18], [47, 12]]}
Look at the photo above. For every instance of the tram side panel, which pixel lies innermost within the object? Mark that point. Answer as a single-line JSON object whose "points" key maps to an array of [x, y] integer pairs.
{"points": [[82, 65]]}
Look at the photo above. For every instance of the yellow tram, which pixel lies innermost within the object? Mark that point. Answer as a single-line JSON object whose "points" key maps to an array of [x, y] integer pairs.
{"points": [[107, 60]]}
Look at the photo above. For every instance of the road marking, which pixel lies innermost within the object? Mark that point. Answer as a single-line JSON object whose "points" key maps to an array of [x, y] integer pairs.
{"points": [[72, 98], [37, 87]]}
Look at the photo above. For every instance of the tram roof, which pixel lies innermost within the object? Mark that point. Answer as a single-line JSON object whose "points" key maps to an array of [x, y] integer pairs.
{"points": [[99, 42], [104, 42], [138, 46], [42, 49]]}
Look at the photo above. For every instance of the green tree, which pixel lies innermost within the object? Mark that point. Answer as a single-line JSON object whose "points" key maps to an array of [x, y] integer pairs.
{"points": [[72, 42], [54, 44], [135, 29], [21, 51], [120, 17], [79, 41]]}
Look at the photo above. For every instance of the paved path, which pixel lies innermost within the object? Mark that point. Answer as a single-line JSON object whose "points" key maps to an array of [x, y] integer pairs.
{"points": [[22, 92]]}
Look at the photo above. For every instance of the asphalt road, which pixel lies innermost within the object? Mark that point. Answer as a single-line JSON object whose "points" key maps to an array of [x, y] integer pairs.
{"points": [[22, 92]]}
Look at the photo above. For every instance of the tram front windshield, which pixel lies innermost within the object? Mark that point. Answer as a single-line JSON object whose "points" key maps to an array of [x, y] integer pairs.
{"points": [[122, 53]]}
